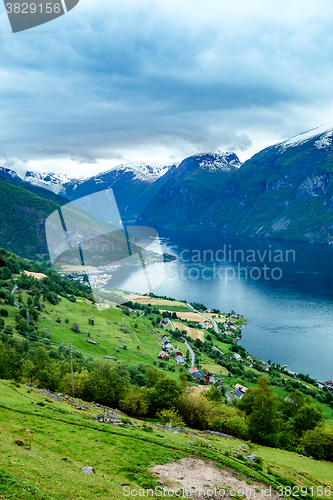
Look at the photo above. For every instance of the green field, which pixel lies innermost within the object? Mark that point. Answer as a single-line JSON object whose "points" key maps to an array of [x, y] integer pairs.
{"points": [[119, 455]]}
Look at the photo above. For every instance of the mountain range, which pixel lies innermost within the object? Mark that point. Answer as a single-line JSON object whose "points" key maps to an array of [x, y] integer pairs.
{"points": [[284, 191]]}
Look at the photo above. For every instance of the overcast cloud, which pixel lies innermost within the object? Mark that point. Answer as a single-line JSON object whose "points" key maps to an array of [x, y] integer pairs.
{"points": [[157, 81]]}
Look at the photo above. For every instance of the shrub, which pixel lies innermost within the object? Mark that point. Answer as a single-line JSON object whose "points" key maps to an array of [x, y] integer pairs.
{"points": [[171, 417], [319, 443], [75, 327], [3, 312]]}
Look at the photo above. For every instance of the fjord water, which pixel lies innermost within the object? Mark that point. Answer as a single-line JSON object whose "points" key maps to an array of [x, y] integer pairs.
{"points": [[289, 313]]}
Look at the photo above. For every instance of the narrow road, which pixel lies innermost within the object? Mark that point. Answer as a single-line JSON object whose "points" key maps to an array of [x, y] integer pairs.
{"points": [[205, 316], [191, 352], [13, 291], [172, 325], [216, 349]]}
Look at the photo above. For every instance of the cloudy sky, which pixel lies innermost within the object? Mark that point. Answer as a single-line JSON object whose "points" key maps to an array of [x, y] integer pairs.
{"points": [[159, 80]]}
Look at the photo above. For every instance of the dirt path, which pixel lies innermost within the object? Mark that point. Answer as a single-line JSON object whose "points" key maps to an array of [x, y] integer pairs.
{"points": [[195, 476]]}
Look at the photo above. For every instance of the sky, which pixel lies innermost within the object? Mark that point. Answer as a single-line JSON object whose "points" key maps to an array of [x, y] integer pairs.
{"points": [[156, 81]]}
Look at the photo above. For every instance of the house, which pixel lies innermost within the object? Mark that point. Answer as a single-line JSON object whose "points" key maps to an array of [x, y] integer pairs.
{"points": [[180, 359], [199, 375], [167, 346], [237, 356], [240, 388], [178, 353], [165, 337], [163, 355], [238, 394], [164, 323]]}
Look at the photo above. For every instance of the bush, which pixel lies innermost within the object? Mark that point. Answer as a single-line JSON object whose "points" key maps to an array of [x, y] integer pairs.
{"points": [[75, 327], [319, 443], [170, 417], [3, 312]]}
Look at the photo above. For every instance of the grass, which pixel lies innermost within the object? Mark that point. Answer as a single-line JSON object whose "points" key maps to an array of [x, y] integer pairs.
{"points": [[120, 455]]}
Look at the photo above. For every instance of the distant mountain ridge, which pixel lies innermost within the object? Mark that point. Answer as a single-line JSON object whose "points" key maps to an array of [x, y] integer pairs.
{"points": [[189, 191], [285, 191]]}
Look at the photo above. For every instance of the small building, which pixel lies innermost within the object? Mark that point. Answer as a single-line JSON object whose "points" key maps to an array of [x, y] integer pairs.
{"points": [[241, 388], [163, 355], [238, 394], [237, 356], [167, 346], [199, 376]]}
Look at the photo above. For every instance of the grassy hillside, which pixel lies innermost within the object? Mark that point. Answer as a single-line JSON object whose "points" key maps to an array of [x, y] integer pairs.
{"points": [[62, 440], [24, 209]]}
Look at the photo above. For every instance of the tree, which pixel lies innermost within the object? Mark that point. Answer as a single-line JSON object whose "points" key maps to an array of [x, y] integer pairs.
{"points": [[8, 330], [214, 394], [166, 395], [136, 401], [319, 443], [261, 405], [3, 312], [307, 417], [75, 327]]}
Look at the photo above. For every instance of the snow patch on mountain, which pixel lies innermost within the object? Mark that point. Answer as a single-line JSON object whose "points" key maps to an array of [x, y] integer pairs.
{"points": [[214, 162], [142, 171], [324, 134], [48, 180], [7, 173]]}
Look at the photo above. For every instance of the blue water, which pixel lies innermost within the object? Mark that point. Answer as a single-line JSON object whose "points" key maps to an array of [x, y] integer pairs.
{"points": [[290, 318]]}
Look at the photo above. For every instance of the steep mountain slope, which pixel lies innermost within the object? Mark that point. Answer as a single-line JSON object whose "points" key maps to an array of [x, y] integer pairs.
{"points": [[24, 209], [128, 182], [284, 191], [189, 190], [51, 181], [133, 210], [6, 173]]}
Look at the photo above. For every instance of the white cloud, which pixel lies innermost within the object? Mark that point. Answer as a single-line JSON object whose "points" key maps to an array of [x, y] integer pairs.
{"points": [[141, 79]]}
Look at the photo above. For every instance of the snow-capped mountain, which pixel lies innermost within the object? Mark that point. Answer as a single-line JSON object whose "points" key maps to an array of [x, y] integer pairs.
{"points": [[48, 180], [6, 173], [213, 162], [190, 189], [142, 171], [321, 137]]}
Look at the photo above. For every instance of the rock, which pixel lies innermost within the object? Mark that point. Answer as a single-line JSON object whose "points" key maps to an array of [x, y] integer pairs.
{"points": [[28, 430], [89, 470], [251, 458], [64, 459], [27, 448], [18, 442], [189, 442], [111, 414]]}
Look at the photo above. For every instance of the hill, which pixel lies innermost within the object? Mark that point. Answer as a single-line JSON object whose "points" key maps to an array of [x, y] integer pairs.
{"points": [[189, 191], [24, 209], [284, 191], [59, 440]]}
